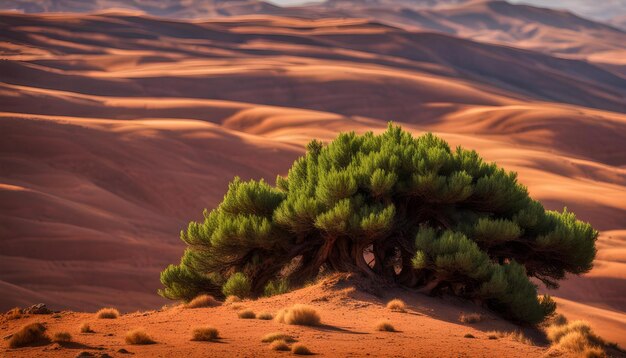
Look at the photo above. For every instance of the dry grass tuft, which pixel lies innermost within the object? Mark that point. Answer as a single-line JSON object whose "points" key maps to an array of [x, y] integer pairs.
{"points": [[300, 349], [468, 335], [277, 336], [232, 299], [206, 334], [519, 336], [14, 313], [108, 313], [559, 320], [576, 337], [279, 345], [266, 316], [202, 301], [299, 314], [396, 305], [86, 328], [61, 337], [138, 336], [27, 335], [471, 318], [385, 326], [246, 314]]}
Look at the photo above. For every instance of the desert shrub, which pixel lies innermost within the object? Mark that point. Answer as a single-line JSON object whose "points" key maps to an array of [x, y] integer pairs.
{"points": [[276, 336], [385, 326], [299, 314], [577, 337], [300, 349], [232, 299], [246, 314], [559, 320], [61, 337], [14, 313], [471, 318], [236, 306], [279, 345], [593, 352], [85, 328], [468, 335], [108, 313], [492, 336], [396, 305], [27, 335], [452, 222], [202, 301], [266, 316], [276, 287], [519, 336], [205, 334], [138, 337], [237, 285]]}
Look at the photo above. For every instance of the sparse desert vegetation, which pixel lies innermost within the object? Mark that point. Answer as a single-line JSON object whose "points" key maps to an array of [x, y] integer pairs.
{"points": [[138, 337], [279, 345], [61, 337], [299, 314], [202, 301], [385, 326], [300, 349], [576, 337], [237, 285], [86, 328], [396, 305], [205, 334], [246, 314], [108, 313], [265, 316], [275, 336], [232, 299], [28, 334], [471, 317]]}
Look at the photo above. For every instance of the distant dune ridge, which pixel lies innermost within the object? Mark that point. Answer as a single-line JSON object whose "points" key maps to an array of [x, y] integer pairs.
{"points": [[117, 129]]}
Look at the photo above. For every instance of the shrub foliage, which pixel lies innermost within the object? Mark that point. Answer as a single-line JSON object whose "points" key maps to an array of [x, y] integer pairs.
{"points": [[430, 216]]}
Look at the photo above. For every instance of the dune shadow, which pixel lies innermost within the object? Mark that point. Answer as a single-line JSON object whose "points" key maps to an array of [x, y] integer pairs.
{"points": [[77, 345]]}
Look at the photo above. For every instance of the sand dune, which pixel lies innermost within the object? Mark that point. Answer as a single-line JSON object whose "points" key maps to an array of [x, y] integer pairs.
{"points": [[116, 130]]}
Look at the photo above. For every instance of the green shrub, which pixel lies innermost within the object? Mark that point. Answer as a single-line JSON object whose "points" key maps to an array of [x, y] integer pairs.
{"points": [[450, 221], [237, 285]]}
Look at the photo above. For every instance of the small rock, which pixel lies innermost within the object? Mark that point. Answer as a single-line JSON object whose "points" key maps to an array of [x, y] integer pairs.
{"points": [[39, 308], [84, 354], [123, 351], [104, 355]]}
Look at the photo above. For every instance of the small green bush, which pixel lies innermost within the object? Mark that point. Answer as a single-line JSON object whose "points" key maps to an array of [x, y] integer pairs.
{"points": [[237, 285]]}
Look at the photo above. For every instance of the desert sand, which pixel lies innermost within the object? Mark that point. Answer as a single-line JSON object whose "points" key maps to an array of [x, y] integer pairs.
{"points": [[118, 129]]}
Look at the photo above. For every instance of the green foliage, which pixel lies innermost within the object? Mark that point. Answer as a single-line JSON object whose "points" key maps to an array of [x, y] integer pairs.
{"points": [[448, 219], [237, 285]]}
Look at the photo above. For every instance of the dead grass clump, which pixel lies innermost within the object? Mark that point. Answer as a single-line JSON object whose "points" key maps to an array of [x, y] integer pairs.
{"points": [[385, 326], [299, 314], [468, 335], [207, 334], [14, 313], [138, 337], [61, 337], [202, 301], [300, 349], [232, 299], [576, 337], [279, 345], [86, 328], [27, 335], [559, 320], [108, 313], [266, 316], [471, 318], [519, 336], [396, 305], [246, 314], [277, 336]]}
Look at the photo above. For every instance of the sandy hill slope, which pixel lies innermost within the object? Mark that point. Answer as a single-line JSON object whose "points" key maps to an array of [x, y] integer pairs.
{"points": [[429, 327], [117, 130]]}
